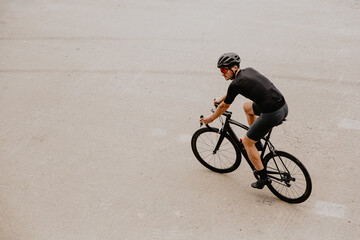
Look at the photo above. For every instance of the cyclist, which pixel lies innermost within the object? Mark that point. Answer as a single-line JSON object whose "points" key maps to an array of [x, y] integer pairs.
{"points": [[266, 109]]}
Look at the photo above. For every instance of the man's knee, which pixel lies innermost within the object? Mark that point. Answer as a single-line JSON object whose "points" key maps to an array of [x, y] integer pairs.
{"points": [[248, 142], [248, 108]]}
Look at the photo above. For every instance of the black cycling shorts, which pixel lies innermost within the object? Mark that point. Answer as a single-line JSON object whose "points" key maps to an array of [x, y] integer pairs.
{"points": [[265, 121]]}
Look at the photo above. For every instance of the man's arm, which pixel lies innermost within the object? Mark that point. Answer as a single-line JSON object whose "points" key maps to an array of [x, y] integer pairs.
{"points": [[219, 111]]}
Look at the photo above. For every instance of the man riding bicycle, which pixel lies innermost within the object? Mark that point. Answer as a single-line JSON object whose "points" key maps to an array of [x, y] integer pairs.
{"points": [[266, 109]]}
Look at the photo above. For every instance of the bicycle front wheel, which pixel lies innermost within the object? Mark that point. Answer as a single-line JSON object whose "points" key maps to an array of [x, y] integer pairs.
{"points": [[224, 160], [290, 181]]}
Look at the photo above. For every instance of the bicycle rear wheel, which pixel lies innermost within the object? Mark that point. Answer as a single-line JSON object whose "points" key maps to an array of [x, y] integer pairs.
{"points": [[290, 181], [225, 160]]}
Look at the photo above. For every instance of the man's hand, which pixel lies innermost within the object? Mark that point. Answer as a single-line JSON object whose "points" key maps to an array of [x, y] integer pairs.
{"points": [[220, 110], [206, 120], [218, 101]]}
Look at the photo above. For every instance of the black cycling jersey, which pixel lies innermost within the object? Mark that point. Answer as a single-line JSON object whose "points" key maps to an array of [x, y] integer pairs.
{"points": [[251, 84]]}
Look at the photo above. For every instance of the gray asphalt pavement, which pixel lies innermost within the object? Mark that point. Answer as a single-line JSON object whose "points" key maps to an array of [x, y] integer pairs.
{"points": [[99, 100]]}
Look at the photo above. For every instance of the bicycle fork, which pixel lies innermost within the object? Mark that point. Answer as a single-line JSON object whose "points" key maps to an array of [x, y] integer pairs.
{"points": [[221, 139]]}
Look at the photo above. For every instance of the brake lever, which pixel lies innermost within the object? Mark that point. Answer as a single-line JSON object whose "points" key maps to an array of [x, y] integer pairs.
{"points": [[201, 116], [216, 104]]}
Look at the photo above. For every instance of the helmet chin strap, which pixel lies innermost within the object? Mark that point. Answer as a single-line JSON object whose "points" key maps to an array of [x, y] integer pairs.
{"points": [[233, 76]]}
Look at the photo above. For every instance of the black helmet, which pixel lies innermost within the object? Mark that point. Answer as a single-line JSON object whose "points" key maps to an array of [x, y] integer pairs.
{"points": [[228, 59]]}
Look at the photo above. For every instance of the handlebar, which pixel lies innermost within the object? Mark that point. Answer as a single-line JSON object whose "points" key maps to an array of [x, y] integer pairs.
{"points": [[201, 116], [207, 125], [226, 113]]}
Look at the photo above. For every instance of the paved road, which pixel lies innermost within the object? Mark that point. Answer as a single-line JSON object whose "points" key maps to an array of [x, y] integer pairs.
{"points": [[99, 99]]}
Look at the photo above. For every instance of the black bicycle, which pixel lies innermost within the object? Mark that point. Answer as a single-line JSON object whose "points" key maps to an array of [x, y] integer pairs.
{"points": [[219, 149]]}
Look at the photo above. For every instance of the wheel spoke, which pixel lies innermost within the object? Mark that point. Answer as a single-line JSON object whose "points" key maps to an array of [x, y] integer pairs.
{"points": [[227, 158]]}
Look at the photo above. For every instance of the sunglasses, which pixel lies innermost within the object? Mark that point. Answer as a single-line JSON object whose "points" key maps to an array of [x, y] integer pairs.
{"points": [[224, 70]]}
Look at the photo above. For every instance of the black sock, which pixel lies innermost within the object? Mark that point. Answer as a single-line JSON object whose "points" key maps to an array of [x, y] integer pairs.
{"points": [[262, 174]]}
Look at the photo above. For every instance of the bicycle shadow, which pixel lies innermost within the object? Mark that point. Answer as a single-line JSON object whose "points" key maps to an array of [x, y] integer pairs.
{"points": [[235, 185]]}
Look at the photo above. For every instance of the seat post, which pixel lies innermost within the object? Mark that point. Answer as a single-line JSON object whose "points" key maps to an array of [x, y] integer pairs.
{"points": [[268, 135], [267, 143]]}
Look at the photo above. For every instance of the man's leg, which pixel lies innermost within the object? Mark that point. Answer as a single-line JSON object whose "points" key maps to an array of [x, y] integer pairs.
{"points": [[253, 153], [254, 156], [251, 117], [249, 111]]}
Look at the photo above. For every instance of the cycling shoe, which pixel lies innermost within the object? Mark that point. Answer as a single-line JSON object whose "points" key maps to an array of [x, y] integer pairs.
{"points": [[259, 184]]}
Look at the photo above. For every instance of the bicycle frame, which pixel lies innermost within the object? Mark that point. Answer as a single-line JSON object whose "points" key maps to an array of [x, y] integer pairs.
{"points": [[226, 129]]}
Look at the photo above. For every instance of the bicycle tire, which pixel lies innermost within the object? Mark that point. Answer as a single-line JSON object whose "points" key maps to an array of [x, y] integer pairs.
{"points": [[293, 188], [226, 159]]}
